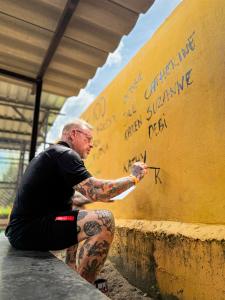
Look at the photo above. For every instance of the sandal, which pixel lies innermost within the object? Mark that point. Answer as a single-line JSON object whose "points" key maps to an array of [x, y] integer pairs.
{"points": [[102, 285]]}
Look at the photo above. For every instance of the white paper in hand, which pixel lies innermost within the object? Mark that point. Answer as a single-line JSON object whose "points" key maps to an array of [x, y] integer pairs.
{"points": [[124, 194]]}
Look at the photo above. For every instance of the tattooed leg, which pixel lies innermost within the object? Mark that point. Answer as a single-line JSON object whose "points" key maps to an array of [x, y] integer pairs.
{"points": [[97, 229], [71, 253]]}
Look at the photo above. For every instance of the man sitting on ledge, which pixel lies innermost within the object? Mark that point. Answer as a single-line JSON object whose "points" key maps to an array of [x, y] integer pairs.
{"points": [[42, 217]]}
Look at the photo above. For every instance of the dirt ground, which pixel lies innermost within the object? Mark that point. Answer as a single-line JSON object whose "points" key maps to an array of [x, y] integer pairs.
{"points": [[119, 287]]}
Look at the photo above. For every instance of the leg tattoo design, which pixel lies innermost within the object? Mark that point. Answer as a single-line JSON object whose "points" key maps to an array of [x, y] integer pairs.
{"points": [[92, 228], [97, 228], [106, 219]]}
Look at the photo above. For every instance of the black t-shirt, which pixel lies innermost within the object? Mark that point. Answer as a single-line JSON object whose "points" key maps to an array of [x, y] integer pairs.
{"points": [[47, 184]]}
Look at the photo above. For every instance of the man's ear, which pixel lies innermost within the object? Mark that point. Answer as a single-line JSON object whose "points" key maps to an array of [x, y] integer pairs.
{"points": [[73, 133]]}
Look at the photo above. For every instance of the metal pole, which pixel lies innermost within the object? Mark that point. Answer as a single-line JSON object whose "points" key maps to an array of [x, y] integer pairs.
{"points": [[16, 75], [35, 119], [20, 165], [46, 129]]}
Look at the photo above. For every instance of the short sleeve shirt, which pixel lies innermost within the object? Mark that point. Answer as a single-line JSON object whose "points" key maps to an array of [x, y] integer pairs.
{"points": [[48, 182]]}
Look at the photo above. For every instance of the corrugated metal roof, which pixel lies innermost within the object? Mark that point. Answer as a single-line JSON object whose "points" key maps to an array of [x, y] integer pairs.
{"points": [[27, 29], [94, 30]]}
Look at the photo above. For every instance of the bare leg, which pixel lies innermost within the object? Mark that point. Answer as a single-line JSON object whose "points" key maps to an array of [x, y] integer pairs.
{"points": [[96, 230], [78, 202], [71, 253]]}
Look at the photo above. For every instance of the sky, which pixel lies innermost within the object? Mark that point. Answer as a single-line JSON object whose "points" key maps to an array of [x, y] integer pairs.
{"points": [[129, 45]]}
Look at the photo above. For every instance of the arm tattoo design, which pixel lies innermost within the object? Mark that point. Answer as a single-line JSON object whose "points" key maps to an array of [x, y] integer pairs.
{"points": [[103, 190], [81, 215], [92, 228], [79, 200]]}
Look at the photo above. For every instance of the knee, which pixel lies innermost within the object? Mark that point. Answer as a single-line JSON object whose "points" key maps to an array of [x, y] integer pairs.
{"points": [[107, 219]]}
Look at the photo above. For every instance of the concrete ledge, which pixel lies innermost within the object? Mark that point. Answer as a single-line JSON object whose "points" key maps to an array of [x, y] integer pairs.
{"points": [[40, 275], [172, 260]]}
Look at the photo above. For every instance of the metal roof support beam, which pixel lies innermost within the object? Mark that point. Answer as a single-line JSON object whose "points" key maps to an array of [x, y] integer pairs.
{"points": [[46, 128], [5, 184], [22, 116], [35, 119], [16, 132], [7, 158], [10, 163], [7, 118], [23, 105], [14, 147], [17, 75], [59, 32], [13, 141]]}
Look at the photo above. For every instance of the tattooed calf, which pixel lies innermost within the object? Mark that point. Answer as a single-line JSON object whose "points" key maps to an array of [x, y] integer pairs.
{"points": [[99, 249], [71, 254], [92, 228], [78, 229], [106, 219], [91, 268], [81, 254]]}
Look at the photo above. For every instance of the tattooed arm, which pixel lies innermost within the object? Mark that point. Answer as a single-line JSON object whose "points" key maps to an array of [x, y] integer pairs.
{"points": [[103, 190], [79, 200]]}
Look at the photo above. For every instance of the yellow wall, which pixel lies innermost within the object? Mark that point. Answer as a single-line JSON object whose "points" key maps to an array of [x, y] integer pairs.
{"points": [[168, 105]]}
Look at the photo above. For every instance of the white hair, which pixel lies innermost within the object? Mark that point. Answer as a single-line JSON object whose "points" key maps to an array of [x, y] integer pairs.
{"points": [[76, 123]]}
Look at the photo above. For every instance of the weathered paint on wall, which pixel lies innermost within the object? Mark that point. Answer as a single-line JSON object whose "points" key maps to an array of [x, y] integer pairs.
{"points": [[172, 260], [167, 107]]}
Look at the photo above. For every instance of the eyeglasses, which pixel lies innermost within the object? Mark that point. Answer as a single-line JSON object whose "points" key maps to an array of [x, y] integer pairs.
{"points": [[89, 138]]}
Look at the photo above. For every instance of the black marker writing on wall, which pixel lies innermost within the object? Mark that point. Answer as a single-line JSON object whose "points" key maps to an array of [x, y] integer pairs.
{"points": [[179, 86], [130, 112], [139, 157], [154, 129], [170, 66], [142, 157], [99, 108], [106, 123], [157, 178], [131, 89], [100, 150], [135, 126]]}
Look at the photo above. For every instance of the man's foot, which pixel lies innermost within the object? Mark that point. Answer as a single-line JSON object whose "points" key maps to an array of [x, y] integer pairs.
{"points": [[102, 285]]}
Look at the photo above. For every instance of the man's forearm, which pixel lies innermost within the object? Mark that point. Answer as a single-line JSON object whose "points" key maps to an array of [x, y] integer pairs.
{"points": [[79, 199], [104, 190]]}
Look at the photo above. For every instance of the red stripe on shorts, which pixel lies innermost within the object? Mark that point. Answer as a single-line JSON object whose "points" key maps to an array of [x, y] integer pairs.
{"points": [[64, 218]]}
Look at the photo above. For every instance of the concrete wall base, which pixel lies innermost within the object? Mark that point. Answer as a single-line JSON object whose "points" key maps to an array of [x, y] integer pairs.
{"points": [[172, 260]]}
